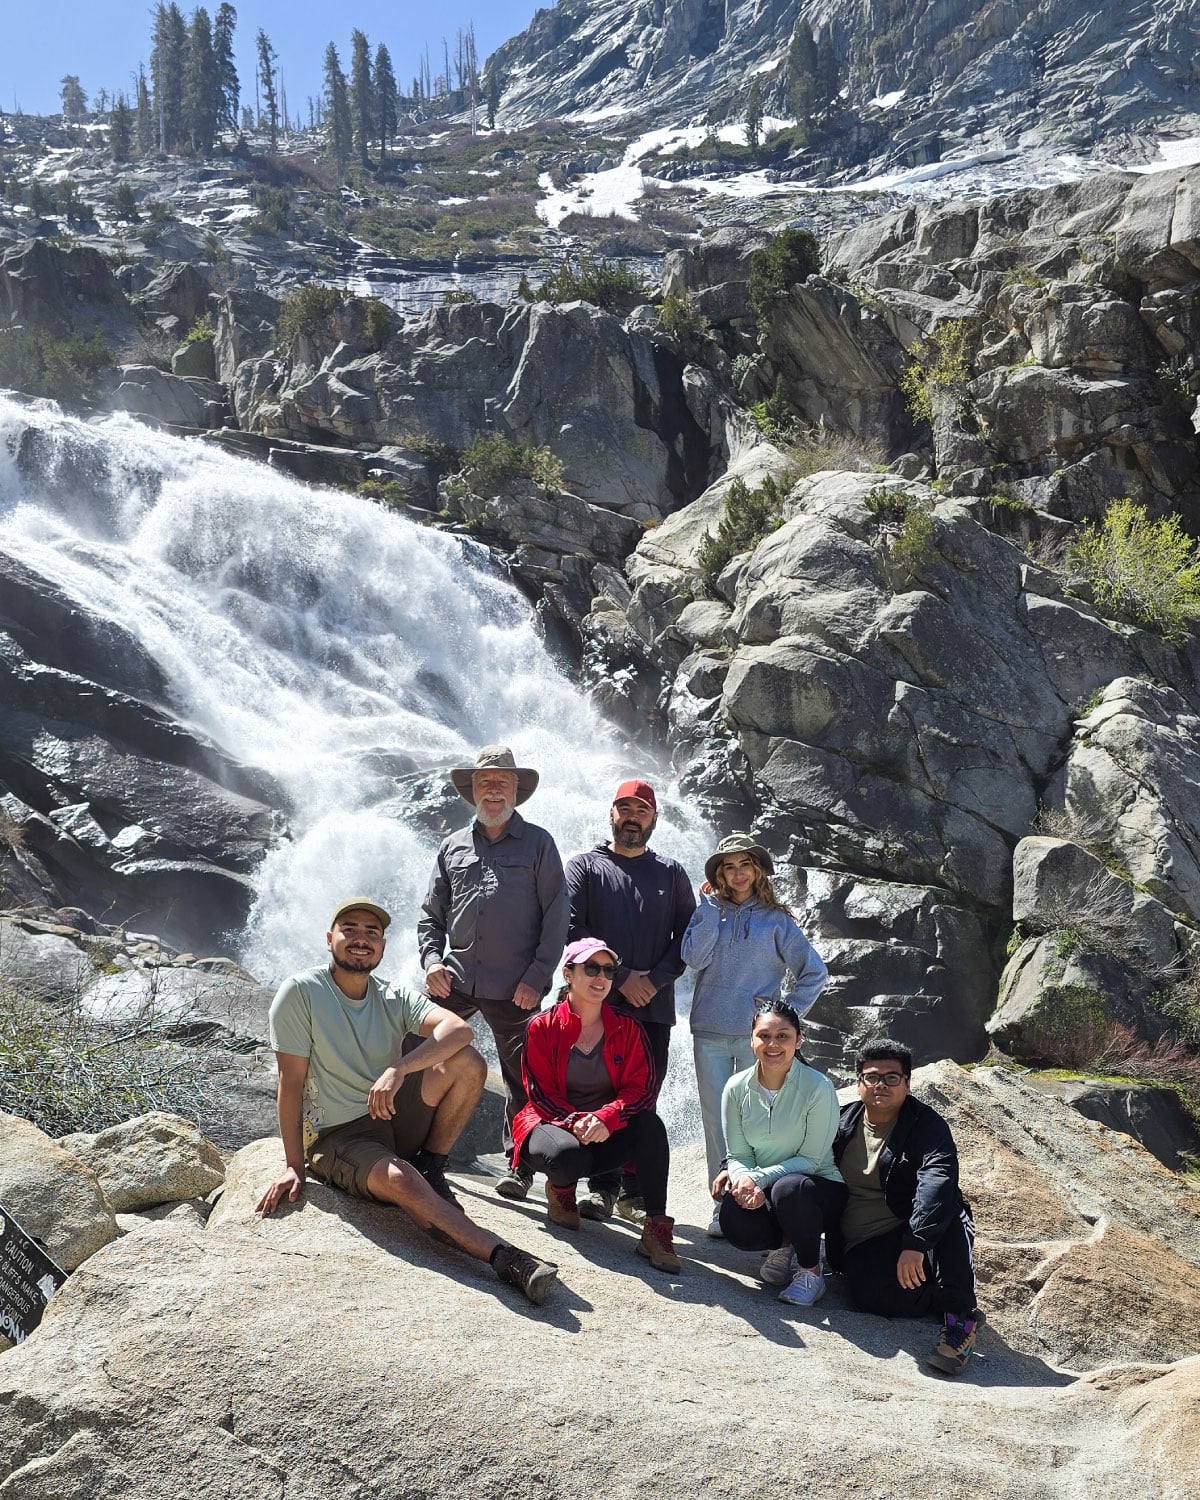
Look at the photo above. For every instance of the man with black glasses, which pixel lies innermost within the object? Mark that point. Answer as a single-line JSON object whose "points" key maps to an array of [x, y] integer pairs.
{"points": [[906, 1234]]}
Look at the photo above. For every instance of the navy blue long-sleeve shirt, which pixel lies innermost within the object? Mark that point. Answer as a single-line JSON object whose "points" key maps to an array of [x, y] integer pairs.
{"points": [[641, 906]]}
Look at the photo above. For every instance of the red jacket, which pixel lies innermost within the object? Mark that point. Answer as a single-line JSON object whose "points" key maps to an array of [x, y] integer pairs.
{"points": [[549, 1038]]}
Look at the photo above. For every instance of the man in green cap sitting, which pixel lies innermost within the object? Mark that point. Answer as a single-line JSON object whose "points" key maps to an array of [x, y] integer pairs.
{"points": [[380, 1119]]}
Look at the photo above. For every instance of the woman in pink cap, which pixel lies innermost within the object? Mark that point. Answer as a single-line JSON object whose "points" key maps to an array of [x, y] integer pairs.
{"points": [[590, 1080]]}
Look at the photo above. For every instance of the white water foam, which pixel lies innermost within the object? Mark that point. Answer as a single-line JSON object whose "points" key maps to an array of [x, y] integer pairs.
{"points": [[329, 641]]}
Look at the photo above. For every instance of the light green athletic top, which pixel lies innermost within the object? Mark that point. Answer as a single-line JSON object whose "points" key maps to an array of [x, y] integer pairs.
{"points": [[348, 1043]]}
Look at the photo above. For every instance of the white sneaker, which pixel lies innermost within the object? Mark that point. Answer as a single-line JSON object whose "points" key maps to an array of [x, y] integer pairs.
{"points": [[807, 1287], [714, 1227], [778, 1268]]}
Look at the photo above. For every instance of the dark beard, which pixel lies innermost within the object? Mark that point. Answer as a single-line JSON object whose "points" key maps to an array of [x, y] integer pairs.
{"points": [[630, 836], [354, 965]]}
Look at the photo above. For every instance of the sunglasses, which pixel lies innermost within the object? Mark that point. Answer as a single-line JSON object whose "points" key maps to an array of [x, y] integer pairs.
{"points": [[593, 970]]}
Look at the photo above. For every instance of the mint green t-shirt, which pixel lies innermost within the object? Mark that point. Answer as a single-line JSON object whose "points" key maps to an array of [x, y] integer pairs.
{"points": [[348, 1043]]}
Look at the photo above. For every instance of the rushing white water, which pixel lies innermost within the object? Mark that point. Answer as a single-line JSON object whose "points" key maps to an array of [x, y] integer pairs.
{"points": [[316, 635]]}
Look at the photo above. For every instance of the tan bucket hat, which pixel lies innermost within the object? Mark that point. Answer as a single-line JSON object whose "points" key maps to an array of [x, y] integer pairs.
{"points": [[736, 843], [494, 758]]}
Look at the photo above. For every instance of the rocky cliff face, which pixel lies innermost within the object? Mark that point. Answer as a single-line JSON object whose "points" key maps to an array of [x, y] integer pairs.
{"points": [[974, 75]]}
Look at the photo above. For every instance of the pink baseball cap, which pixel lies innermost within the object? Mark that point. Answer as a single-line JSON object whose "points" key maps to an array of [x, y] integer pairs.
{"points": [[579, 952]]}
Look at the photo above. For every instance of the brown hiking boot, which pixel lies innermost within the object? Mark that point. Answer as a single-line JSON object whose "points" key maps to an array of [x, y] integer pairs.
{"points": [[656, 1243], [561, 1206], [524, 1271]]}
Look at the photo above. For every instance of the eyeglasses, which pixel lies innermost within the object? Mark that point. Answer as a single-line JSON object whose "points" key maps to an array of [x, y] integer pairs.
{"points": [[888, 1080], [594, 970]]}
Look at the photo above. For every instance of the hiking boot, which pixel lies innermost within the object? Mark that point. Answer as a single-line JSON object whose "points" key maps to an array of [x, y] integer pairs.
{"points": [[656, 1243], [515, 1184], [560, 1205], [432, 1168], [714, 1230], [779, 1267], [805, 1288], [598, 1204], [955, 1347], [524, 1271], [632, 1208]]}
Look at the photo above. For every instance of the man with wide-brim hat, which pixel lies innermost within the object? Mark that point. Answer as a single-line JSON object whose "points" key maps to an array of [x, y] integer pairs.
{"points": [[494, 921]]}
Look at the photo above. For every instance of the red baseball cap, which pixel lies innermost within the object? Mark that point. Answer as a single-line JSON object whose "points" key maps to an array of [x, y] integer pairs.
{"points": [[640, 789]]}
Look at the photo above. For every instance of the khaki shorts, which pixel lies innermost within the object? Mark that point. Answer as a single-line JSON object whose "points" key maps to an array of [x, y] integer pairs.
{"points": [[344, 1155]]}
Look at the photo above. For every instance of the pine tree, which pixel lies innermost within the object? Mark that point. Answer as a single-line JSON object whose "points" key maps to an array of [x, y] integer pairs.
{"points": [[361, 90], [166, 73], [120, 130], [227, 78], [828, 83], [339, 128], [202, 100], [802, 74], [754, 115], [494, 86], [266, 79], [74, 100], [143, 133], [386, 105]]}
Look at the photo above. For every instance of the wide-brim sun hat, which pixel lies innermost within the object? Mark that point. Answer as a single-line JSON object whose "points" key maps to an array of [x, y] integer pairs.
{"points": [[736, 843], [494, 758]]}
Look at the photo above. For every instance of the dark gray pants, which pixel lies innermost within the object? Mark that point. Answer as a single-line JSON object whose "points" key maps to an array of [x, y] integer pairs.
{"points": [[508, 1023]]}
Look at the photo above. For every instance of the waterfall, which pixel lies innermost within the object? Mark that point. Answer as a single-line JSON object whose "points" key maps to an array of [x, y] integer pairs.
{"points": [[331, 642]]}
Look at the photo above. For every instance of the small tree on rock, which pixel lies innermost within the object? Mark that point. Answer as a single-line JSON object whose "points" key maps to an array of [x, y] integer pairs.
{"points": [[754, 116], [792, 256]]}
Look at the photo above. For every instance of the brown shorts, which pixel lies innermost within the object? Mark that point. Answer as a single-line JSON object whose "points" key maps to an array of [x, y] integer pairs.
{"points": [[343, 1155]]}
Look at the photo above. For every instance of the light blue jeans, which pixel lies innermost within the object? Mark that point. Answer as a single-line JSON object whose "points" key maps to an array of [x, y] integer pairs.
{"points": [[718, 1058]]}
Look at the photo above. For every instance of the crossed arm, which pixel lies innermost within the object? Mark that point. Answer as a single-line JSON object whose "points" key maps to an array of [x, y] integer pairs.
{"points": [[444, 1035]]}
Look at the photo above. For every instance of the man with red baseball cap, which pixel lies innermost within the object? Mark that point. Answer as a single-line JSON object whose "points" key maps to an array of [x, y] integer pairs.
{"points": [[640, 903]]}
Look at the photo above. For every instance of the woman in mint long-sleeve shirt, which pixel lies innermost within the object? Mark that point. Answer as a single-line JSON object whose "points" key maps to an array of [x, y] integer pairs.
{"points": [[742, 941], [781, 1186]]}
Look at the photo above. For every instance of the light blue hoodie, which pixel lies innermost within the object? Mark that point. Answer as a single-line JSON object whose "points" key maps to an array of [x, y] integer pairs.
{"points": [[742, 953]]}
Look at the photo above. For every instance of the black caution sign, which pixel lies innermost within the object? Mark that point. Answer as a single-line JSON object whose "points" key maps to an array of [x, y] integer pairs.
{"points": [[28, 1279]]}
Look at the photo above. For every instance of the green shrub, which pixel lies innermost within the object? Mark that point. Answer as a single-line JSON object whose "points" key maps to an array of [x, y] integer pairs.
{"points": [[274, 214], [604, 283], [393, 492], [890, 502], [306, 312], [939, 363], [791, 257], [201, 331], [372, 321], [915, 547], [1141, 571], [774, 415], [457, 296], [749, 515], [681, 318], [494, 462], [34, 361]]}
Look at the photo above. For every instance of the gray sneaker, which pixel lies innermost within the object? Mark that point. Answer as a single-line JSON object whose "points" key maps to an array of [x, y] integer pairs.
{"points": [[779, 1267], [806, 1288], [524, 1271], [632, 1209], [515, 1185], [597, 1204]]}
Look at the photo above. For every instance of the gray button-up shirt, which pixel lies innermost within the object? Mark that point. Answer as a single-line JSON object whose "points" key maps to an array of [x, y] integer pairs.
{"points": [[496, 913]]}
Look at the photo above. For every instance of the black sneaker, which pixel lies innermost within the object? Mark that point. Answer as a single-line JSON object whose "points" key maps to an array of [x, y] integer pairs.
{"points": [[524, 1271], [515, 1184], [434, 1173]]}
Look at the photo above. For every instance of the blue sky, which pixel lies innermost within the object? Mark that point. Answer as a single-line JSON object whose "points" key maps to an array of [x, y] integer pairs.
{"points": [[102, 41]]}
